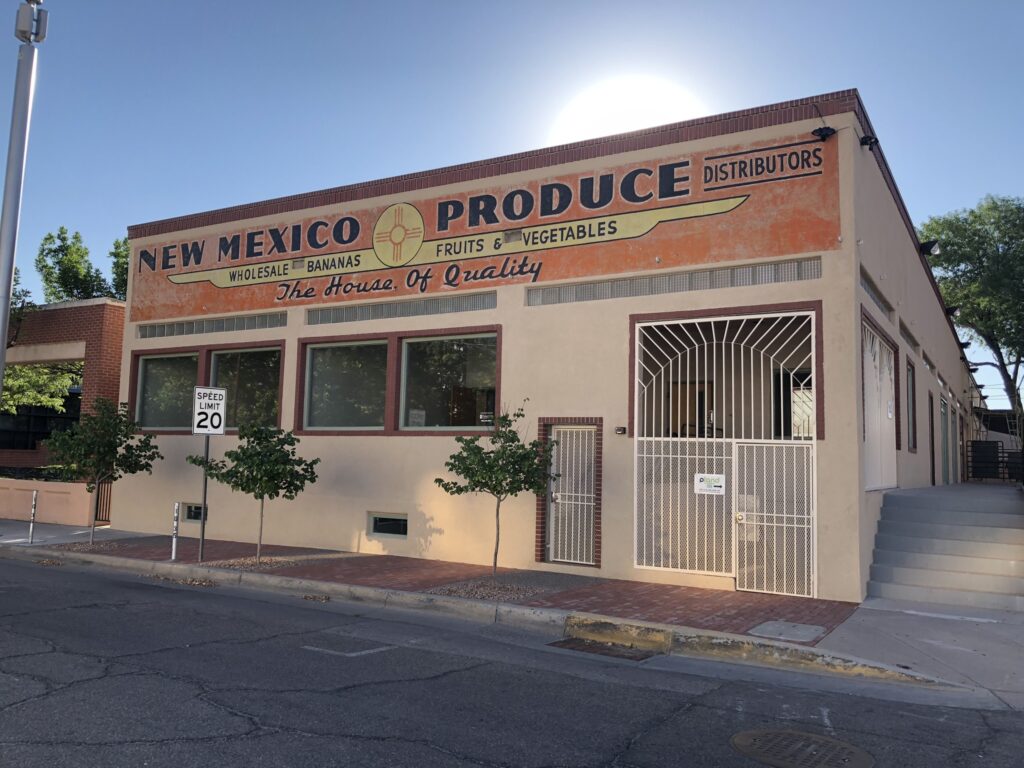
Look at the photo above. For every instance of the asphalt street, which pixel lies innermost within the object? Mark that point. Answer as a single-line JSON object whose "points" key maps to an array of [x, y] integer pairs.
{"points": [[105, 669]]}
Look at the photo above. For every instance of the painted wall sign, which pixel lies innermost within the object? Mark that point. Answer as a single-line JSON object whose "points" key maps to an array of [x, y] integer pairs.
{"points": [[674, 210]]}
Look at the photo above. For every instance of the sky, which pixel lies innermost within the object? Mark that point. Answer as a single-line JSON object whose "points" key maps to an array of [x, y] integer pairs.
{"points": [[150, 109]]}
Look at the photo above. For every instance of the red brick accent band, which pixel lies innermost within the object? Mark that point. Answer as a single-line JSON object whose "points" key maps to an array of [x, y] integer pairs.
{"points": [[544, 425]]}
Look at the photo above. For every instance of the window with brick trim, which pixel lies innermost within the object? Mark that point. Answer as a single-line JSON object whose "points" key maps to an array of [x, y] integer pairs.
{"points": [[346, 385], [252, 378], [165, 385], [449, 382]]}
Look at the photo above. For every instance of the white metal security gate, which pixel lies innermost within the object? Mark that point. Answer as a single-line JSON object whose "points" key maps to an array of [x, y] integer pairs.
{"points": [[731, 397], [571, 506]]}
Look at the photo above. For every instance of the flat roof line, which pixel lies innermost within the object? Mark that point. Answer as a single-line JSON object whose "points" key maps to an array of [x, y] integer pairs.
{"points": [[807, 108]]}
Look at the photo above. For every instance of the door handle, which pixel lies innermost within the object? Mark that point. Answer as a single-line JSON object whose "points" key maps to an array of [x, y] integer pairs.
{"points": [[739, 518]]}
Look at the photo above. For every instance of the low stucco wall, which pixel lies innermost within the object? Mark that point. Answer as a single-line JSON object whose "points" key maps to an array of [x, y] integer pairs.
{"points": [[61, 503]]}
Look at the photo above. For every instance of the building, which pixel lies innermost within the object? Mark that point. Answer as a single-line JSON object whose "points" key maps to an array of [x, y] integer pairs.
{"points": [[89, 332], [728, 326]]}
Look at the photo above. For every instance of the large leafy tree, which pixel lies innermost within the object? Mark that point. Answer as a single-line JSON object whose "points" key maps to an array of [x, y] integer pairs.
{"points": [[66, 271], [265, 465], [980, 270], [504, 468], [119, 254], [44, 385], [103, 446]]}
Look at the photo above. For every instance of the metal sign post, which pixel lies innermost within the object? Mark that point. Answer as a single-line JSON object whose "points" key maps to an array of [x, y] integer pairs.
{"points": [[174, 531], [209, 412], [32, 518]]}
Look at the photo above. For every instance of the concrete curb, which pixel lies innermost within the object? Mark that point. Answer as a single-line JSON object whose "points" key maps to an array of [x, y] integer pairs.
{"points": [[661, 638]]}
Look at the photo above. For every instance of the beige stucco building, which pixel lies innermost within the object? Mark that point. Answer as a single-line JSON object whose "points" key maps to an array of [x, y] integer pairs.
{"points": [[727, 325]]}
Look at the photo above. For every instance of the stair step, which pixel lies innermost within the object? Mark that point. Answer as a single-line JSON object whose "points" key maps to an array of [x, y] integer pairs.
{"points": [[951, 517], [950, 563], [923, 577], [986, 549], [1013, 536], [966, 597], [969, 498]]}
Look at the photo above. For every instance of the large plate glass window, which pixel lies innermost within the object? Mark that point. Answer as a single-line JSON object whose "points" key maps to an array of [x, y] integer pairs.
{"points": [[450, 382], [346, 386], [252, 378], [165, 387]]}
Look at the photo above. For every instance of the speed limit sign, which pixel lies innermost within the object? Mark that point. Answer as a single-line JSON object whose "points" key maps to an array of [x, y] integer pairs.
{"points": [[209, 410]]}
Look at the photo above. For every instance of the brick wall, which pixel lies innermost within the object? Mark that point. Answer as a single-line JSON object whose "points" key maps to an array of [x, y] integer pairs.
{"points": [[97, 322]]}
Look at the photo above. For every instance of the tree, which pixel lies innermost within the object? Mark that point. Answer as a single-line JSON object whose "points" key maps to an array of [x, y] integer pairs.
{"points": [[64, 266], [264, 466], [45, 384], [103, 446], [120, 255], [980, 270], [503, 470]]}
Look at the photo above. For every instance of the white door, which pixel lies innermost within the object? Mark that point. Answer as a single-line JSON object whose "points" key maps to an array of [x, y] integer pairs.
{"points": [[572, 499]]}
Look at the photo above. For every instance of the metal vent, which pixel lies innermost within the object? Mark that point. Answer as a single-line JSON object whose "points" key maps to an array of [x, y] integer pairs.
{"points": [[214, 325], [678, 282], [440, 305]]}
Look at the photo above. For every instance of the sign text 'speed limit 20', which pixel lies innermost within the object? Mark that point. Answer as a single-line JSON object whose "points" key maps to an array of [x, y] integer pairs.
{"points": [[209, 410]]}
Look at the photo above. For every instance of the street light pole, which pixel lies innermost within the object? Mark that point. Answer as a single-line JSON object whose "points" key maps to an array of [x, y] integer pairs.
{"points": [[30, 27]]}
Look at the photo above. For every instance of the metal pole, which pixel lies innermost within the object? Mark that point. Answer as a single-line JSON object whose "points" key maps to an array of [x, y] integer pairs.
{"points": [[32, 518], [174, 531], [202, 509], [30, 28]]}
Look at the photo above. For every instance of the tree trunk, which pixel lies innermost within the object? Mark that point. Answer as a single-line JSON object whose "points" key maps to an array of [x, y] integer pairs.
{"points": [[497, 539], [259, 539], [95, 512], [1009, 381]]}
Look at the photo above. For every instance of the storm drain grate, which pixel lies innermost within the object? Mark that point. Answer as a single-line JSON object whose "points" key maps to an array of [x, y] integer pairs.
{"points": [[793, 749], [604, 649]]}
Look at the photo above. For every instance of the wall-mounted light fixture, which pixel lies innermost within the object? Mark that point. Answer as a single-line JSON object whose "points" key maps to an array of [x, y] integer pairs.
{"points": [[930, 248], [824, 133], [953, 311], [869, 141], [620, 430]]}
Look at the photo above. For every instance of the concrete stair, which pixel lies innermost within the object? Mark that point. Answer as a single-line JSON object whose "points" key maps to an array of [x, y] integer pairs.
{"points": [[957, 545]]}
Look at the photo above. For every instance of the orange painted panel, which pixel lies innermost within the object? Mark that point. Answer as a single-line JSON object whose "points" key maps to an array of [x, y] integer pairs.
{"points": [[675, 210]]}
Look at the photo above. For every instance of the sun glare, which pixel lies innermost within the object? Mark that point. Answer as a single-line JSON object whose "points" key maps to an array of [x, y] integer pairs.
{"points": [[623, 104]]}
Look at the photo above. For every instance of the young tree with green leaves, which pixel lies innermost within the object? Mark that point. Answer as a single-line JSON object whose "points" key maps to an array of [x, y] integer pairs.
{"points": [[980, 270], [504, 468], [264, 465], [104, 445], [120, 256], [43, 384], [66, 271]]}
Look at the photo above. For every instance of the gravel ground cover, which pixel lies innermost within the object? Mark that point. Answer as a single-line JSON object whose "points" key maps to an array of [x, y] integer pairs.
{"points": [[84, 546], [513, 586]]}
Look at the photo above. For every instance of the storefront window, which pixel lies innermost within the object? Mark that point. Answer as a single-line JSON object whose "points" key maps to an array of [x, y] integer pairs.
{"points": [[346, 386], [252, 378], [165, 391], [449, 382]]}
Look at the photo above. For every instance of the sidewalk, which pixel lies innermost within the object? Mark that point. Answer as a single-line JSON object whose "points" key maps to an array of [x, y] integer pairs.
{"points": [[740, 613], [977, 649]]}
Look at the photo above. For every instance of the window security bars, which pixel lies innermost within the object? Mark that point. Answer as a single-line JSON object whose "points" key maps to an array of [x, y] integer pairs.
{"points": [[733, 399]]}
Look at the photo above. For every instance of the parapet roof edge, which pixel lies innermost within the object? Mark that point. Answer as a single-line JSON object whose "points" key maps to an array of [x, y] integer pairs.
{"points": [[810, 107]]}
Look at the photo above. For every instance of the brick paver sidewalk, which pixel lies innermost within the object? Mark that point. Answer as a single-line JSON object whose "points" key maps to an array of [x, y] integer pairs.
{"points": [[709, 609]]}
